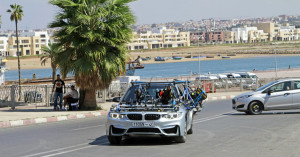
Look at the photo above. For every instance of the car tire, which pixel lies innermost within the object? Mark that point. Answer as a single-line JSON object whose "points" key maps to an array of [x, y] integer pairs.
{"points": [[255, 108], [114, 140], [182, 136], [190, 131]]}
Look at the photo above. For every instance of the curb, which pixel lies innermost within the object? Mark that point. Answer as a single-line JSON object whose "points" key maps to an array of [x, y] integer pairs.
{"points": [[15, 123]]}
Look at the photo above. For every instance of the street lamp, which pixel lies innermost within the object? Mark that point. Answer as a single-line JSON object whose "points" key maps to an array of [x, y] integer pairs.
{"points": [[275, 60], [199, 56]]}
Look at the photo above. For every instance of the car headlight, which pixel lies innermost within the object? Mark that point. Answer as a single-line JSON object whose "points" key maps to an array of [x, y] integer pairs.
{"points": [[117, 115], [244, 97], [172, 115]]}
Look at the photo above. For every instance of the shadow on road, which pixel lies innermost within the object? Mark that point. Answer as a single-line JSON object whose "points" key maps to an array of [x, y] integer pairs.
{"points": [[135, 141]]}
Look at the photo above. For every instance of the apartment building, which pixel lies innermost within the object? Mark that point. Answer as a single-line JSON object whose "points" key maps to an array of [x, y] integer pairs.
{"points": [[229, 37], [214, 36], [30, 43], [4, 45], [269, 28], [195, 36], [166, 38]]}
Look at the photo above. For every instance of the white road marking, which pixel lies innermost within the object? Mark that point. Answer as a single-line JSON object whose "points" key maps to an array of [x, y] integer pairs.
{"points": [[73, 150], [211, 117], [87, 127], [55, 150], [61, 149], [204, 120]]}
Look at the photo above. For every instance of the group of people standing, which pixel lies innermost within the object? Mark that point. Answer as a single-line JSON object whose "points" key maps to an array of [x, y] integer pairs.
{"points": [[70, 98]]}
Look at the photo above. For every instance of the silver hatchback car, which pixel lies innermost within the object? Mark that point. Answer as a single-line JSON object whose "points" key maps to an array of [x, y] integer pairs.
{"points": [[277, 95], [164, 109]]}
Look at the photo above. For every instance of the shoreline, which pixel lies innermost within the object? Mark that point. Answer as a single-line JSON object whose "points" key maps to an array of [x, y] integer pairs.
{"points": [[34, 63]]}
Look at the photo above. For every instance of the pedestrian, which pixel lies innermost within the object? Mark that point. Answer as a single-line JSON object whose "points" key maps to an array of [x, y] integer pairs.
{"points": [[71, 98], [58, 84], [289, 66]]}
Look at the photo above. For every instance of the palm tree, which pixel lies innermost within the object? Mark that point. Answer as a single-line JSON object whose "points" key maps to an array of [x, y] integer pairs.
{"points": [[94, 34], [50, 52], [16, 15]]}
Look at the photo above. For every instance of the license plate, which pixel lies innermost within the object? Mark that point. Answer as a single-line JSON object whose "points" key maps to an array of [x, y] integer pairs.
{"points": [[142, 124]]}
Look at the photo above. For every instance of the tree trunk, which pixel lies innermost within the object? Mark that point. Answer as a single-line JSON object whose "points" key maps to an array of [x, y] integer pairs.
{"points": [[89, 102], [53, 70], [81, 98], [19, 66]]}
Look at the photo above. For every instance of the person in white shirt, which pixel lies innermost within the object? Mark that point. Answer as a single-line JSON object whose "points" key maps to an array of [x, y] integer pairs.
{"points": [[71, 97]]}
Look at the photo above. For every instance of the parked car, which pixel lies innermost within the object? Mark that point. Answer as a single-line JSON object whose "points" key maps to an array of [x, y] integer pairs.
{"points": [[277, 95], [154, 109], [248, 77]]}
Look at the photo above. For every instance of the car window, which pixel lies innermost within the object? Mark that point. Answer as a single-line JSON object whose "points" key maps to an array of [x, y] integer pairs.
{"points": [[296, 84], [148, 94], [283, 86]]}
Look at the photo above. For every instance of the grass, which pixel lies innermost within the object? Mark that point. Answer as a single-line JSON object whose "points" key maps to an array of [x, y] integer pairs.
{"points": [[23, 57]]}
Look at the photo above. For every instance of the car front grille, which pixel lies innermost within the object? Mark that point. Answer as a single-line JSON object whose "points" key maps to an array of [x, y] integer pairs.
{"points": [[145, 130], [134, 116], [152, 117]]}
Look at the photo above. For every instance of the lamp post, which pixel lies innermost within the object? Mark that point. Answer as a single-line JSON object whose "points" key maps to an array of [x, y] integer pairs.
{"points": [[275, 60], [199, 56]]}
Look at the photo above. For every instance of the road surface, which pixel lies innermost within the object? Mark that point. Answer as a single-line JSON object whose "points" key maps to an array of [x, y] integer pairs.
{"points": [[218, 132]]}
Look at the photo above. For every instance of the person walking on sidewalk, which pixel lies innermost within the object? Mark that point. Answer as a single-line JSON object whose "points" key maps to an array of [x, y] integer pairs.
{"points": [[58, 84]]}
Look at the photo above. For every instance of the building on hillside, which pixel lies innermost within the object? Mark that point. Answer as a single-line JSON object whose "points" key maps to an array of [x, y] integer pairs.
{"points": [[269, 28], [229, 37], [214, 36], [195, 36], [166, 38]]}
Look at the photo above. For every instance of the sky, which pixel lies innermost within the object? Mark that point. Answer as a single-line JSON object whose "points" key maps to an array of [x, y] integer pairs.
{"points": [[39, 13]]}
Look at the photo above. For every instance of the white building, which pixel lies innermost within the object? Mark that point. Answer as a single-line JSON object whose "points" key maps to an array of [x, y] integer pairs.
{"points": [[4, 45], [44, 37]]}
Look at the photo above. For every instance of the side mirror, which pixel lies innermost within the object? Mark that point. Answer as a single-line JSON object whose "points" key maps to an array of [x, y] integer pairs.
{"points": [[270, 91], [116, 99]]}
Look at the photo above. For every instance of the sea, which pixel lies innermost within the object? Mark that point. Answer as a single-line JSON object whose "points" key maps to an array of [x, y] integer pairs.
{"points": [[161, 70]]}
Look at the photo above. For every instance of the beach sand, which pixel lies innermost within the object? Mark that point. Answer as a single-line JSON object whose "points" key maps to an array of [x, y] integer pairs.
{"points": [[34, 63], [282, 73], [241, 51]]}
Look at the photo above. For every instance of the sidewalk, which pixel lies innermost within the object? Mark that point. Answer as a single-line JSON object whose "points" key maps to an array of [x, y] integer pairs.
{"points": [[26, 115]]}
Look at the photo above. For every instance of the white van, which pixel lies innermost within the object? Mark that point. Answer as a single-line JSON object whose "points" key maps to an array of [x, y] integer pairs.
{"points": [[248, 76], [214, 78], [235, 78]]}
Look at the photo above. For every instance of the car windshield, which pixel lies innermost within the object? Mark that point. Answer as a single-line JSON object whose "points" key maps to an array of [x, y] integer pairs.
{"points": [[265, 86], [147, 92]]}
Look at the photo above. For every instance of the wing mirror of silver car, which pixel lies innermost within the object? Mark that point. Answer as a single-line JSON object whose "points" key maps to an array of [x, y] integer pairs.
{"points": [[270, 91]]}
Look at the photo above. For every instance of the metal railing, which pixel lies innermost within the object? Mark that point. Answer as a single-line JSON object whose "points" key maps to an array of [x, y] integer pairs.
{"points": [[42, 94]]}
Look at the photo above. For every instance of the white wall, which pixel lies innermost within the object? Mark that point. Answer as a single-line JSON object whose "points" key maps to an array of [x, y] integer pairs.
{"points": [[4, 49]]}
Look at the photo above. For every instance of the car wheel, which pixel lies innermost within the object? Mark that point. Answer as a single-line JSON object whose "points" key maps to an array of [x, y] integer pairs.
{"points": [[255, 108], [182, 136], [114, 140], [190, 131]]}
